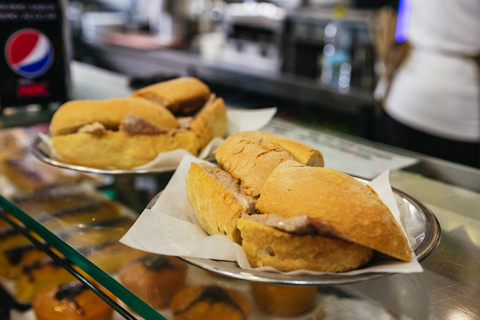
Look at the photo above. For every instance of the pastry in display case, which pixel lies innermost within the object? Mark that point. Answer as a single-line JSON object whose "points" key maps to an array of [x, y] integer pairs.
{"points": [[282, 300], [14, 142], [45, 272], [154, 278], [69, 205], [72, 223], [21, 173], [210, 302], [39, 275], [72, 301], [92, 210], [94, 235]]}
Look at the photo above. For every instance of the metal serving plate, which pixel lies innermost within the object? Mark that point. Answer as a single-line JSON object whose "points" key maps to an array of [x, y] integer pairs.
{"points": [[427, 239], [41, 155]]}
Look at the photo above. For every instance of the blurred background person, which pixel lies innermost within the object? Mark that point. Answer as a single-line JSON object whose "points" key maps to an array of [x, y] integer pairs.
{"points": [[432, 103]]}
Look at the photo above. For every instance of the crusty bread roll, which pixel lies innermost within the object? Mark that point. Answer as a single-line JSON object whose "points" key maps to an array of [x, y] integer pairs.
{"points": [[110, 113], [301, 152], [210, 122], [182, 95], [217, 200], [222, 209], [304, 218], [121, 150], [267, 246], [338, 199], [251, 156], [128, 132]]}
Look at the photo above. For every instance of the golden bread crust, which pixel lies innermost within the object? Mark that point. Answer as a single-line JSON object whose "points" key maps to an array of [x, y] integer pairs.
{"points": [[215, 207], [181, 95], [211, 122], [120, 149], [75, 114], [128, 132], [303, 153], [266, 246], [268, 166], [349, 206], [251, 156]]}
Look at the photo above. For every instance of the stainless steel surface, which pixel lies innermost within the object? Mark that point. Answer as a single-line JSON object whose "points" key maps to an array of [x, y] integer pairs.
{"points": [[449, 287], [454, 174]]}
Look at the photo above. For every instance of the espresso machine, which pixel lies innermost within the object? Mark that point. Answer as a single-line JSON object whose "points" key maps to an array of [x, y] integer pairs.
{"points": [[254, 34]]}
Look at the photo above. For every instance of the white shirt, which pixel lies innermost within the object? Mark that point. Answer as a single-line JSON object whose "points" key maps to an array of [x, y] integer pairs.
{"points": [[436, 90]]}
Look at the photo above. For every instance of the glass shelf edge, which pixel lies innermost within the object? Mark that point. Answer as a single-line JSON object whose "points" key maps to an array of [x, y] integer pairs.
{"points": [[138, 305]]}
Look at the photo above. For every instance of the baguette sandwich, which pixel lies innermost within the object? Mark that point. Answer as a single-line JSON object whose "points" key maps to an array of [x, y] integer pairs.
{"points": [[182, 96], [128, 132], [294, 215]]}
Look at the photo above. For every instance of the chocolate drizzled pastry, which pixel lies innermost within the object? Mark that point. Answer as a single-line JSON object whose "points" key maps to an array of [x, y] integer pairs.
{"points": [[69, 292], [156, 262], [30, 270], [229, 304], [50, 200], [86, 238], [154, 278], [14, 256], [73, 301], [28, 174]]}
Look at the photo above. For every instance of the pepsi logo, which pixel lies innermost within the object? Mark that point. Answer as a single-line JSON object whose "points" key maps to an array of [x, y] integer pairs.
{"points": [[29, 53]]}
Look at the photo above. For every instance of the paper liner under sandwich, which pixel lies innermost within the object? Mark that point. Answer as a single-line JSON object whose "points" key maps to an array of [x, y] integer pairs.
{"points": [[171, 227]]}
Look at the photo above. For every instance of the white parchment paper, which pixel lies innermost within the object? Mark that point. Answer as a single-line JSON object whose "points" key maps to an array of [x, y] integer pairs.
{"points": [[238, 120], [170, 227]]}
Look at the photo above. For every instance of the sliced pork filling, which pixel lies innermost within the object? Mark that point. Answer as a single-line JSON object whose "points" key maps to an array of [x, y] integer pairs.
{"points": [[248, 203], [134, 124], [298, 225]]}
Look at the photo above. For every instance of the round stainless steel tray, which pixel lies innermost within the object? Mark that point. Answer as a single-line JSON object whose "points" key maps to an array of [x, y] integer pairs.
{"points": [[427, 239], [41, 155]]}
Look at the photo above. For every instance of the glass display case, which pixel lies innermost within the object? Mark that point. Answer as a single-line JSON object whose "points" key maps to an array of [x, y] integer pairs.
{"points": [[59, 226]]}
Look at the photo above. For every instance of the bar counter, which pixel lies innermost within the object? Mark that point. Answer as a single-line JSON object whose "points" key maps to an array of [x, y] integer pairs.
{"points": [[449, 287]]}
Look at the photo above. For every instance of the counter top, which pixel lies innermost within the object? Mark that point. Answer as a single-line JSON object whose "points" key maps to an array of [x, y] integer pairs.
{"points": [[449, 287]]}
